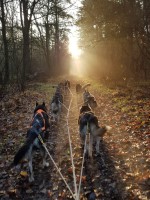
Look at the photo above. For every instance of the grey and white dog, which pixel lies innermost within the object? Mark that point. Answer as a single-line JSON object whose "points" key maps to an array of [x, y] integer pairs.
{"points": [[88, 123], [89, 99], [80, 88], [67, 86], [56, 104]]}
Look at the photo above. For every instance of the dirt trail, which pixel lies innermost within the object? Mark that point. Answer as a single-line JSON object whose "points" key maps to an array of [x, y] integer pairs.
{"points": [[120, 172], [62, 151]]}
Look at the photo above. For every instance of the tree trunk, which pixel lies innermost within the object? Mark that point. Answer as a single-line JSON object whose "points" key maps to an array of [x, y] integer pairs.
{"points": [[6, 75], [56, 39], [48, 46], [26, 22], [26, 56]]}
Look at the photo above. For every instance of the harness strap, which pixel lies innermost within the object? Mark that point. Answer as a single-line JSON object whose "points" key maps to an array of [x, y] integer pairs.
{"points": [[40, 111]]}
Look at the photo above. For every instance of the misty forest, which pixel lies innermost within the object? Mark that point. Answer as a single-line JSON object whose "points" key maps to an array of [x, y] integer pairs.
{"points": [[75, 99]]}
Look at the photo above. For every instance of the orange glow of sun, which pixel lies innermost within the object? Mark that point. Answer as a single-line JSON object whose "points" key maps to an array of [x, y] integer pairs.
{"points": [[74, 50]]}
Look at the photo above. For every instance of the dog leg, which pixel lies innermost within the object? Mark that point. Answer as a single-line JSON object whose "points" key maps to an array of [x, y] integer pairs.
{"points": [[58, 116], [97, 144], [90, 145], [44, 155], [59, 108], [54, 117], [31, 176], [83, 133]]}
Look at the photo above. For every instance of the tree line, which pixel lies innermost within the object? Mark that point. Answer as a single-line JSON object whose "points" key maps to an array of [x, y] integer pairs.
{"points": [[33, 38], [115, 34]]}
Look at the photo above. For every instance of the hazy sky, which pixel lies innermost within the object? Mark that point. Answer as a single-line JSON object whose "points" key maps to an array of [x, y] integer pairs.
{"points": [[73, 36]]}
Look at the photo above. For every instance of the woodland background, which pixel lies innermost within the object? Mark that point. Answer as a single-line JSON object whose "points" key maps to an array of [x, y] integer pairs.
{"points": [[116, 34], [114, 37]]}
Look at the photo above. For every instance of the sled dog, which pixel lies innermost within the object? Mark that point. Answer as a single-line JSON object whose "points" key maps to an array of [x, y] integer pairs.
{"points": [[39, 126], [80, 88], [89, 99], [88, 123]]}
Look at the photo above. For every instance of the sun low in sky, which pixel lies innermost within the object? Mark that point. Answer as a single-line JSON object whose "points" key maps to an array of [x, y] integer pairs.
{"points": [[76, 54], [74, 50]]}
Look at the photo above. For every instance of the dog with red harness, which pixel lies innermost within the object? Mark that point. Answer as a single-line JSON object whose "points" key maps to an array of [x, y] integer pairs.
{"points": [[39, 126]]}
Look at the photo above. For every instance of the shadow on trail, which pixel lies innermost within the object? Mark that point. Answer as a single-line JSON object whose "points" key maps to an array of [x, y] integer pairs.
{"points": [[105, 180], [111, 183]]}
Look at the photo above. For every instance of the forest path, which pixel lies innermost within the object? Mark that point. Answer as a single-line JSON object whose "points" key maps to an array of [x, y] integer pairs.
{"points": [[121, 171]]}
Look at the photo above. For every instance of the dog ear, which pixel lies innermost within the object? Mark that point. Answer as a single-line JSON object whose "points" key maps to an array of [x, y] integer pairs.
{"points": [[37, 103], [43, 103]]}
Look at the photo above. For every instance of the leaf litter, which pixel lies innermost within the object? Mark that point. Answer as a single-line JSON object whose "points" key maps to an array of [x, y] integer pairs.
{"points": [[120, 171]]}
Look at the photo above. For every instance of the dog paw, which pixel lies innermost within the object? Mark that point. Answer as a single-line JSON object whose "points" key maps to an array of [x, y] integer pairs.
{"points": [[31, 179], [45, 164], [97, 153]]}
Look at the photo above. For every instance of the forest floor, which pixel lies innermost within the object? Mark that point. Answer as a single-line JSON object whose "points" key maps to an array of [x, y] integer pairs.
{"points": [[120, 172]]}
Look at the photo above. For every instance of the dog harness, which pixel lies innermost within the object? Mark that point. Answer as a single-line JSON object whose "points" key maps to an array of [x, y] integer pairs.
{"points": [[40, 111]]}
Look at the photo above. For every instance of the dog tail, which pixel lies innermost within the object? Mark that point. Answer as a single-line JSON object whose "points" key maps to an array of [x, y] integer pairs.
{"points": [[102, 130], [85, 86], [23, 150], [20, 154]]}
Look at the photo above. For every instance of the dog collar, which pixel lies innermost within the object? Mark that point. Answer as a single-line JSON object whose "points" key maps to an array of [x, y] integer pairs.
{"points": [[40, 111]]}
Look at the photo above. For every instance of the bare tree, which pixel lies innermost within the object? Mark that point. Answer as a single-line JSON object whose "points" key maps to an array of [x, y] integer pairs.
{"points": [[26, 13], [5, 42]]}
